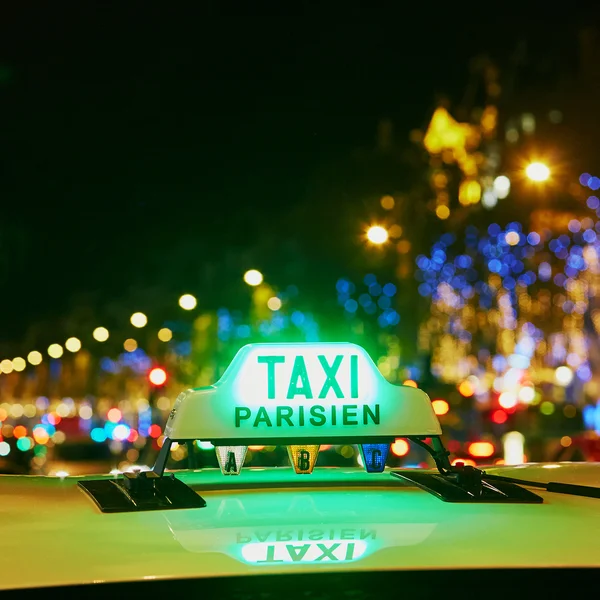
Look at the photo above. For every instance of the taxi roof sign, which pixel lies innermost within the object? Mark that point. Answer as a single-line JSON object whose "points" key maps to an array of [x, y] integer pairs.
{"points": [[301, 392], [301, 395]]}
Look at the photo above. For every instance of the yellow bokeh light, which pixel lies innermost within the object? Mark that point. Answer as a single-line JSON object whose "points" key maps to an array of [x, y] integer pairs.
{"points": [[440, 407], [446, 133], [377, 234], [253, 277], [18, 363], [274, 303], [6, 366], [163, 403], [442, 212], [395, 231], [130, 345], [139, 319], [100, 334], [481, 449], [403, 247], [165, 334], [34, 357], [55, 350], [400, 447], [466, 388], [537, 171], [469, 192], [73, 344], [188, 302], [387, 202]]}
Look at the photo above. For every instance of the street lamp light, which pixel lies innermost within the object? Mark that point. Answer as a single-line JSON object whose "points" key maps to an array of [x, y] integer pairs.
{"points": [[377, 234], [537, 171]]}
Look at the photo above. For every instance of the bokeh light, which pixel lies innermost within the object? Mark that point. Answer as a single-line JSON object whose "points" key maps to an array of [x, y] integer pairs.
{"points": [[157, 376], [139, 319], [165, 334], [55, 350], [34, 357], [507, 400], [130, 345], [512, 238], [501, 186], [73, 344], [442, 212], [20, 431], [19, 363], [377, 234], [6, 366], [440, 407], [481, 449], [114, 415], [466, 388], [253, 277], [86, 412], [274, 303], [400, 447], [387, 202], [537, 171], [563, 375], [188, 302], [100, 334], [499, 417]]}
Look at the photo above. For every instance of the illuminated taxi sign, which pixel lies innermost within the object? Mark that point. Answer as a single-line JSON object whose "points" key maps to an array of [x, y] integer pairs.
{"points": [[301, 393]]}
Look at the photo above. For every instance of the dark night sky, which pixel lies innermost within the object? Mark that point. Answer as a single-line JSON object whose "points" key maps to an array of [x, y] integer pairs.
{"points": [[125, 129]]}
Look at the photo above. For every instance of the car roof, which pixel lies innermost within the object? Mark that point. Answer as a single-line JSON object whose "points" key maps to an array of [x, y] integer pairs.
{"points": [[272, 521]]}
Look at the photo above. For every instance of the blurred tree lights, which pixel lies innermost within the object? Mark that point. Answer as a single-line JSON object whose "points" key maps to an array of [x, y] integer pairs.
{"points": [[515, 313]]}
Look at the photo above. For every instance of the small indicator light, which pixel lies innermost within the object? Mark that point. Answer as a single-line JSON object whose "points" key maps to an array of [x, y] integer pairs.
{"points": [[231, 458], [303, 458], [374, 456]]}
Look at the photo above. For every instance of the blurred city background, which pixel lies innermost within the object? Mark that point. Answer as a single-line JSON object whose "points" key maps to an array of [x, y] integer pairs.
{"points": [[174, 189]]}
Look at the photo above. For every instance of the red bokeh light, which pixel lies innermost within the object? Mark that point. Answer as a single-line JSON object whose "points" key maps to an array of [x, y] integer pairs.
{"points": [[453, 446], [499, 416], [154, 431]]}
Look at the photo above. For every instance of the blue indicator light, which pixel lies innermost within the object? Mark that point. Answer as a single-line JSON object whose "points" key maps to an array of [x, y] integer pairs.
{"points": [[374, 456]]}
